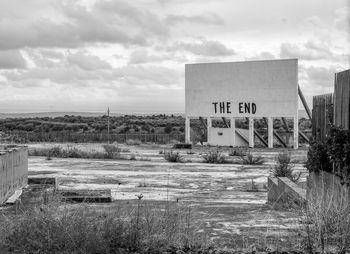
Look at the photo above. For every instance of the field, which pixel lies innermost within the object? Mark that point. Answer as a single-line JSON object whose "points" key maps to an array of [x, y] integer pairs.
{"points": [[227, 200]]}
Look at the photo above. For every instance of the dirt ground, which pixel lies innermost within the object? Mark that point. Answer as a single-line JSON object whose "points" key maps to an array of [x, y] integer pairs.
{"points": [[225, 206]]}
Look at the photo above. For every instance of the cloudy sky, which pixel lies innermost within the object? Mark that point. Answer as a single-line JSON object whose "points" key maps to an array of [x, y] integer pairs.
{"points": [[64, 55]]}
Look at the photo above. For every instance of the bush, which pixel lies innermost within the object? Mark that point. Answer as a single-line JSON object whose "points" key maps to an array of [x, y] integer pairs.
{"points": [[250, 159], [326, 226], [172, 156], [58, 228], [284, 168], [112, 151], [331, 155], [216, 157], [237, 152], [133, 142]]}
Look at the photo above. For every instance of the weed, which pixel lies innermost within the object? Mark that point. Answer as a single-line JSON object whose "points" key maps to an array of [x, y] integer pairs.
{"points": [[112, 151], [172, 156], [237, 152], [58, 228], [133, 142], [250, 159], [190, 152], [214, 157], [284, 168]]}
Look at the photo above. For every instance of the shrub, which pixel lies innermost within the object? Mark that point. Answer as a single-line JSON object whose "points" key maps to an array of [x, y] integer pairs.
{"points": [[326, 226], [284, 168], [332, 154], [133, 142], [112, 151], [250, 159], [172, 156], [237, 152], [58, 228], [214, 157]]}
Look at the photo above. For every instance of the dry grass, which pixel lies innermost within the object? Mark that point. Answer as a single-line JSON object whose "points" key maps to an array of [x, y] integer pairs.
{"points": [[326, 225], [110, 151], [140, 228], [284, 168], [173, 156]]}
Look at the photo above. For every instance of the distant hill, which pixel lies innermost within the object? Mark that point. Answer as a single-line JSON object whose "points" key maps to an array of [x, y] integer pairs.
{"points": [[84, 114]]}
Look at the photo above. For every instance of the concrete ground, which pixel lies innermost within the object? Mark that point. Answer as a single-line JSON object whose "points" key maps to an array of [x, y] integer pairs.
{"points": [[225, 205]]}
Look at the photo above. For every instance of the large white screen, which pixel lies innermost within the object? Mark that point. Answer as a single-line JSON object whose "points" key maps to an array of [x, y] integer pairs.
{"points": [[242, 89]]}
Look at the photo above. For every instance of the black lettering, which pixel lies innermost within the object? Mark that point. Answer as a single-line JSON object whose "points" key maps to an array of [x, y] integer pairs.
{"points": [[215, 106], [222, 107], [228, 105], [240, 107], [253, 108], [247, 108]]}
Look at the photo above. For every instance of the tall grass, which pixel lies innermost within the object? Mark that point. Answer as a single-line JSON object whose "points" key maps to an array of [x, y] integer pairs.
{"points": [[283, 167], [216, 157], [173, 156], [111, 151], [326, 226], [250, 159], [57, 228]]}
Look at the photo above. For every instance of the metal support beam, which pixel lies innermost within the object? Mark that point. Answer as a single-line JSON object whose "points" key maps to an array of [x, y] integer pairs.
{"points": [[203, 123], [304, 136], [285, 124], [301, 96], [225, 122]]}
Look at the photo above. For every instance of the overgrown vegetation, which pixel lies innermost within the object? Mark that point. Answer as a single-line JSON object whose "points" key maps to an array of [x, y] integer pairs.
{"points": [[326, 226], [214, 157], [111, 151], [56, 228], [237, 152], [331, 155], [173, 156], [283, 167], [250, 159]]}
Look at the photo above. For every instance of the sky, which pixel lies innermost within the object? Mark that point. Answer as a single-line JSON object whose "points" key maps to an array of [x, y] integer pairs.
{"points": [[85, 55]]}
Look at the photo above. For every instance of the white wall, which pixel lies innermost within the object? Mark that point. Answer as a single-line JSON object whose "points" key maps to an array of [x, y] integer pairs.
{"points": [[226, 139], [271, 85]]}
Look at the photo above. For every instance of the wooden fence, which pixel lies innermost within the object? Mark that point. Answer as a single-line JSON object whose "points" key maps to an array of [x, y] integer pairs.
{"points": [[341, 99], [332, 108], [13, 170], [322, 115], [25, 137]]}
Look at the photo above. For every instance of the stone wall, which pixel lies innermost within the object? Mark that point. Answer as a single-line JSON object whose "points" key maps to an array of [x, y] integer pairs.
{"points": [[13, 170], [326, 188]]}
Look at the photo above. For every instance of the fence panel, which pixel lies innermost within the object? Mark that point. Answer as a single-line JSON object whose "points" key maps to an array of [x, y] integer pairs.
{"points": [[341, 99], [322, 115]]}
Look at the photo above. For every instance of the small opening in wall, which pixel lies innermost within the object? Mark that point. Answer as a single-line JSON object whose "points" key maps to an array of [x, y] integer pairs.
{"points": [[220, 133]]}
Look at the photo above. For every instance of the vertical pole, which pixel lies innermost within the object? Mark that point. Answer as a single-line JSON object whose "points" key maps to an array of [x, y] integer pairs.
{"points": [[296, 131], [108, 125], [270, 132], [233, 130], [209, 124], [187, 130], [251, 132]]}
